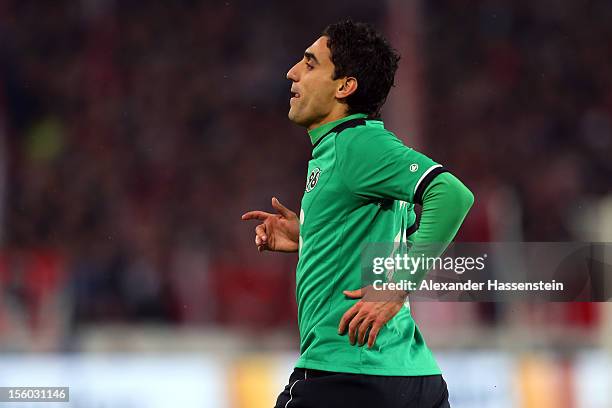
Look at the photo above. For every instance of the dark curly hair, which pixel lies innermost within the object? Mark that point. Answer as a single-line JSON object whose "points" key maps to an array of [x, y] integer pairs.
{"points": [[358, 50]]}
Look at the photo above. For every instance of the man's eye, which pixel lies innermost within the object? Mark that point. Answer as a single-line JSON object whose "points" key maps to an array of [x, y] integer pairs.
{"points": [[309, 67]]}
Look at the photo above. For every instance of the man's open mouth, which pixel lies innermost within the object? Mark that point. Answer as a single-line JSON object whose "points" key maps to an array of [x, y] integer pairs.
{"points": [[295, 94]]}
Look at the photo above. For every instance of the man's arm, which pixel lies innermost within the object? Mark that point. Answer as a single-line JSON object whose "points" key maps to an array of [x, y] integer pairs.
{"points": [[446, 202]]}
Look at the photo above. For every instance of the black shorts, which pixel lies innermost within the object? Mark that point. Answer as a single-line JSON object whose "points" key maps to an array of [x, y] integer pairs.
{"points": [[323, 389]]}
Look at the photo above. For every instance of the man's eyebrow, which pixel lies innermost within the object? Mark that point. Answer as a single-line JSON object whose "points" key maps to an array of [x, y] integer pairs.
{"points": [[310, 56]]}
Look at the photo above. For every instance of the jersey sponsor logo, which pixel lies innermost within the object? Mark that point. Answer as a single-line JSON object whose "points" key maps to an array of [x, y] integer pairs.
{"points": [[414, 167], [313, 179]]}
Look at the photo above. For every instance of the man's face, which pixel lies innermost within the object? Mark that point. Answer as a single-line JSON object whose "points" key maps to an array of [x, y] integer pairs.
{"points": [[313, 90]]}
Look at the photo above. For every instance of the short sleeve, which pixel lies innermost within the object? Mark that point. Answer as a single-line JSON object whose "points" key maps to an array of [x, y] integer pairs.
{"points": [[376, 164]]}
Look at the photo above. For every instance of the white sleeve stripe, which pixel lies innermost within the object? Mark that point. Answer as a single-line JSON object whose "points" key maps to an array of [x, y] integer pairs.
{"points": [[429, 170]]}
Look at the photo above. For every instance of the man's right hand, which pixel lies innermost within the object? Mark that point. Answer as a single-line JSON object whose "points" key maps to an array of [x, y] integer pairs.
{"points": [[278, 232]]}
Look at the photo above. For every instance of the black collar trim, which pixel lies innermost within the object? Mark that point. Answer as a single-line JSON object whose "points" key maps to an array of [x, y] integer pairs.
{"points": [[342, 126]]}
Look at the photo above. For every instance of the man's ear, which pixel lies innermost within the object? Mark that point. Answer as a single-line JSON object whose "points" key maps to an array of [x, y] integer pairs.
{"points": [[348, 86]]}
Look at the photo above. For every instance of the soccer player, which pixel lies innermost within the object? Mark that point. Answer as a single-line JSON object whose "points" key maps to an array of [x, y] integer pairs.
{"points": [[361, 187]]}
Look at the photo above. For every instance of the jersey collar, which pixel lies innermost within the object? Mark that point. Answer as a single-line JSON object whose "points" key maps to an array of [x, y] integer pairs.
{"points": [[317, 133]]}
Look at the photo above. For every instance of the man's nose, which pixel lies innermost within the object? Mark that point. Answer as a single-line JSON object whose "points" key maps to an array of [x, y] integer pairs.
{"points": [[292, 74]]}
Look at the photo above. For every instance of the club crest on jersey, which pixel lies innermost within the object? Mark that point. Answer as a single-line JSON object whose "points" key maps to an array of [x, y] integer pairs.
{"points": [[313, 179]]}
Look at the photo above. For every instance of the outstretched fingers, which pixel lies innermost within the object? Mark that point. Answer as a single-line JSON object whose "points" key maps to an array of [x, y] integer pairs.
{"points": [[354, 325], [365, 325], [256, 215], [282, 210], [347, 317], [374, 333]]}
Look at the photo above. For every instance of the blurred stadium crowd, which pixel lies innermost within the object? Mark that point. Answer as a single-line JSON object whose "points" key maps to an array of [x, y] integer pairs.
{"points": [[134, 136], [521, 96]]}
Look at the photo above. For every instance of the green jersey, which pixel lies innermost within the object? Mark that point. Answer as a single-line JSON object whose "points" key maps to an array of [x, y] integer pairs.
{"points": [[361, 187]]}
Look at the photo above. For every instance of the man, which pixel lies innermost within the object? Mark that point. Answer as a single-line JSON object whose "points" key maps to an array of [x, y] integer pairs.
{"points": [[361, 187]]}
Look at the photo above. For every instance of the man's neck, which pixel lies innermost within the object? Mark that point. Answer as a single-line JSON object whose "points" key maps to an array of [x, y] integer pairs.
{"points": [[317, 133], [333, 116]]}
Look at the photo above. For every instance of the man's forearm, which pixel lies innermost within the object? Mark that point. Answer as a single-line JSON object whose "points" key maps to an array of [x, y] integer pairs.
{"points": [[446, 202]]}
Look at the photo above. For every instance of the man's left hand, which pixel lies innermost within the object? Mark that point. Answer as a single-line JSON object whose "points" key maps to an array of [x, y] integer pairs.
{"points": [[372, 312]]}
